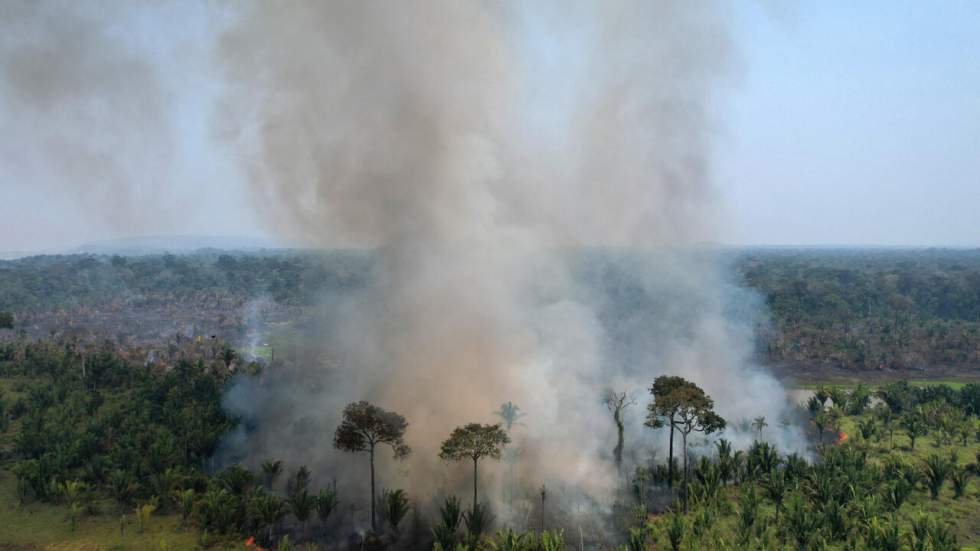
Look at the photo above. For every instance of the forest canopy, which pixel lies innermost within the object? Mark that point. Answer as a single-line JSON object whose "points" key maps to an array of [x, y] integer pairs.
{"points": [[848, 308]]}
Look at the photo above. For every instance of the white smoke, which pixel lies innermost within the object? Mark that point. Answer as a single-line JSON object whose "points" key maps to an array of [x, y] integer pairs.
{"points": [[535, 179]]}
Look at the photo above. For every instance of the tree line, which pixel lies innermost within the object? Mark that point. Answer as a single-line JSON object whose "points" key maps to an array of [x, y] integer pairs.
{"points": [[87, 429], [850, 308]]}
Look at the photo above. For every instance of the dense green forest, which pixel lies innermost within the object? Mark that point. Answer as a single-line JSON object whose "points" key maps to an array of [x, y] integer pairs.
{"points": [[92, 441], [869, 308], [54, 282], [857, 309]]}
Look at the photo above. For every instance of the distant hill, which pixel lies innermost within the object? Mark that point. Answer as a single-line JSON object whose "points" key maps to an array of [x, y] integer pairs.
{"points": [[150, 245], [13, 255]]}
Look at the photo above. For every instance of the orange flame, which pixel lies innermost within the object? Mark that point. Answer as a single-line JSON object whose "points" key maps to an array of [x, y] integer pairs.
{"points": [[841, 437]]}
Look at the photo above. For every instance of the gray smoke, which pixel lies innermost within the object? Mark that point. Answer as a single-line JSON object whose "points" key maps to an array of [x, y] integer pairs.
{"points": [[86, 118], [534, 178]]}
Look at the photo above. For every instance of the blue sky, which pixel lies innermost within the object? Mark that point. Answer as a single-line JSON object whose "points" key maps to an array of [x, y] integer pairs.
{"points": [[853, 123]]}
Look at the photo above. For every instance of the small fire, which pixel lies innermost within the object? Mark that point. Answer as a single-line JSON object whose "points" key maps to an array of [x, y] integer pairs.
{"points": [[250, 542], [841, 437]]}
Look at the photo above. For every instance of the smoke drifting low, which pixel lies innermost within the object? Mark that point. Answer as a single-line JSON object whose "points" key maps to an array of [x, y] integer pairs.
{"points": [[534, 180]]}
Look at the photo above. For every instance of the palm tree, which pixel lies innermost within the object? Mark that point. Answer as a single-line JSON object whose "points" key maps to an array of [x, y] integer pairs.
{"points": [[776, 486], [301, 503], [915, 424], [885, 535], [217, 508], [122, 487], [935, 471], [725, 463], [762, 458], [509, 413], [450, 515], [299, 482], [801, 523], [270, 472], [73, 490], [270, 510], [326, 502], [395, 507], [868, 427], [758, 424], [748, 512], [960, 476], [675, 531], [185, 504], [821, 420]]}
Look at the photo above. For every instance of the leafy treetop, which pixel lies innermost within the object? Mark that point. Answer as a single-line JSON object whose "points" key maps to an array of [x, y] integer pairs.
{"points": [[365, 425], [474, 441], [665, 404], [695, 411]]}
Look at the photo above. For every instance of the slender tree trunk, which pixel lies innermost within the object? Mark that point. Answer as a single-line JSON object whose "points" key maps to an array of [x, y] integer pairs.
{"points": [[542, 510], [373, 523], [474, 483], [670, 457], [618, 450], [684, 441]]}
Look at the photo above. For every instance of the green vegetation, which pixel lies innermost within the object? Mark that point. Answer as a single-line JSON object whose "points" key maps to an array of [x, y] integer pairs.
{"points": [[474, 442], [44, 283], [854, 309], [873, 489], [99, 453], [104, 454], [867, 308]]}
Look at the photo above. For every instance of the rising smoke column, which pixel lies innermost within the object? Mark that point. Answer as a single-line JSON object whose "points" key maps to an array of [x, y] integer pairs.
{"points": [[493, 155]]}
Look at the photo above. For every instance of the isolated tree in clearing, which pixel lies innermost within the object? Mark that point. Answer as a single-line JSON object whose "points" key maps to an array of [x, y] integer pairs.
{"points": [[474, 441], [363, 427]]}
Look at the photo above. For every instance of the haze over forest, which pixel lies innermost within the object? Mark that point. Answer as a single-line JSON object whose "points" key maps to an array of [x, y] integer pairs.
{"points": [[634, 275]]}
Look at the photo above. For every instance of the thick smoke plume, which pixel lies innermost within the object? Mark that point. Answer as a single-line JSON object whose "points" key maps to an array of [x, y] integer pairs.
{"points": [[534, 179]]}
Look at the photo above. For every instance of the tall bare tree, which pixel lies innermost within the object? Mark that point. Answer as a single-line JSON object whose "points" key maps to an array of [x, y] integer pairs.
{"points": [[617, 402]]}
